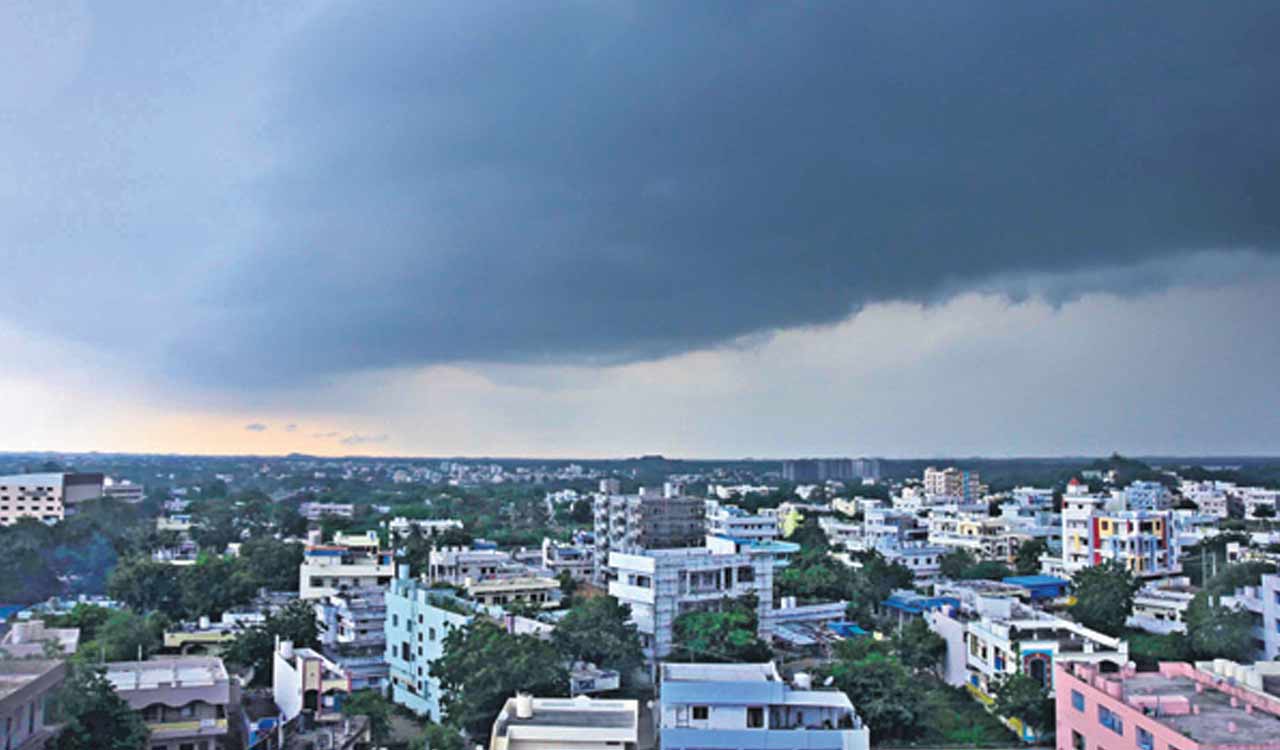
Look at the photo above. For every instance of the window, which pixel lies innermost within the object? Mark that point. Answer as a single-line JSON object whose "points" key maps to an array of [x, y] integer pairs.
{"points": [[755, 717], [1145, 740], [431, 634], [405, 654], [1077, 740], [701, 713], [1109, 720], [1077, 700]]}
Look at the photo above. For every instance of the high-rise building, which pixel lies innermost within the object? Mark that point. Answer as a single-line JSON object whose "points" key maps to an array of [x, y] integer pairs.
{"points": [[634, 523], [418, 619], [867, 468], [953, 482], [804, 470], [47, 496], [659, 585]]}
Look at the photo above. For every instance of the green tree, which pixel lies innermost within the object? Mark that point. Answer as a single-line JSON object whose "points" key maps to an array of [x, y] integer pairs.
{"points": [[214, 585], [26, 573], [872, 583], [884, 692], [1028, 556], [147, 586], [374, 705], [483, 666], [725, 636], [954, 563], [990, 570], [1104, 597], [439, 737], [582, 512], [919, 648], [1215, 631], [598, 630], [253, 648], [1019, 696], [94, 717], [126, 636], [272, 564], [87, 617]]}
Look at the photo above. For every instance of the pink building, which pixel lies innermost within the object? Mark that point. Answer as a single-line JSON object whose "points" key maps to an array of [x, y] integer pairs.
{"points": [[1218, 705]]}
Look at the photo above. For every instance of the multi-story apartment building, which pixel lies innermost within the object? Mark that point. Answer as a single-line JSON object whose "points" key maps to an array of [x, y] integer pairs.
{"points": [[660, 585], [1263, 602], [402, 527], [632, 523], [458, 565], [303, 679], [122, 490], [27, 687], [986, 538], [1218, 705], [1038, 498], [577, 560], [820, 470], [46, 497], [953, 482], [1094, 532], [750, 707], [352, 634], [581, 723], [732, 521], [350, 561], [1161, 606], [1210, 497], [866, 468], [1147, 496], [313, 511], [1255, 498], [418, 619], [183, 700], [533, 590], [1000, 636]]}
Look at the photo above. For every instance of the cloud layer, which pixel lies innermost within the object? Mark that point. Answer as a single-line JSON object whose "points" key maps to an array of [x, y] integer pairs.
{"points": [[356, 187]]}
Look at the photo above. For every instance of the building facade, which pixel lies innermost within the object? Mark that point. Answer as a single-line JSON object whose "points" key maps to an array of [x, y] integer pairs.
{"points": [[183, 700], [418, 619], [581, 723], [953, 482], [1215, 705], [47, 497], [750, 707], [27, 687], [350, 561], [632, 523], [660, 585]]}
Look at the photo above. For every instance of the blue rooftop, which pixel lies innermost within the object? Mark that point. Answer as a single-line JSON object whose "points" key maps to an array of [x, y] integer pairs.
{"points": [[918, 604], [1036, 581]]}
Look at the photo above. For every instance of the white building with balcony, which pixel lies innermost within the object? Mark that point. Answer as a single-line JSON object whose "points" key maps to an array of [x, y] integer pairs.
{"points": [[750, 707], [660, 585], [581, 723], [350, 561]]}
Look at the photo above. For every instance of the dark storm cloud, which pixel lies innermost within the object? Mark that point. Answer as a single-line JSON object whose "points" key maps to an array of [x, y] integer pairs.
{"points": [[603, 182]]}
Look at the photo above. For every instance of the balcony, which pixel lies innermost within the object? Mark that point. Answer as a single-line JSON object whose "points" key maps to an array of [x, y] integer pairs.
{"points": [[764, 739]]}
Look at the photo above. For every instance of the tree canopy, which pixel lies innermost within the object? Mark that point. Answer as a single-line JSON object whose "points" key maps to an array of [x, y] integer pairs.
{"points": [[94, 716], [598, 630], [728, 635], [1104, 597], [484, 665]]}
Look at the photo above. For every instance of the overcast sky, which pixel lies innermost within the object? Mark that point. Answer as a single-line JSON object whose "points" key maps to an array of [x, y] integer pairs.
{"points": [[611, 228]]}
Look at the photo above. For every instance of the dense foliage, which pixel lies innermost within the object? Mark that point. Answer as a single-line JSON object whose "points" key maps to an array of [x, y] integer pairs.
{"points": [[254, 648], [726, 635], [1104, 597], [598, 630], [1019, 696], [484, 665], [93, 716]]}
